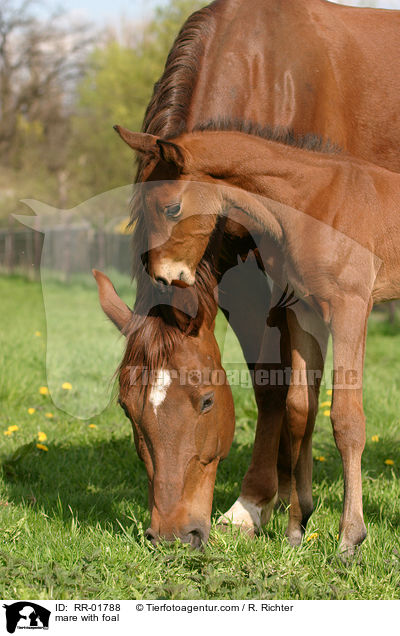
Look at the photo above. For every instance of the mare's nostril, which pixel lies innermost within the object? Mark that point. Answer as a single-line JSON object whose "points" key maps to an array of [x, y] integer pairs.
{"points": [[151, 536], [196, 538]]}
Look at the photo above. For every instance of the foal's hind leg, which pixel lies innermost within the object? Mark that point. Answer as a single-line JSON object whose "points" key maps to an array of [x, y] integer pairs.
{"points": [[308, 348], [349, 325]]}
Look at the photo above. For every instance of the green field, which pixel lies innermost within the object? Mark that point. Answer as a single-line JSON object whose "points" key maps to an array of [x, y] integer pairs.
{"points": [[72, 518]]}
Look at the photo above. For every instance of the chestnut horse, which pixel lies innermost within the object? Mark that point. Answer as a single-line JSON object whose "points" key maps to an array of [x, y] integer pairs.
{"points": [[327, 223], [305, 64], [174, 390]]}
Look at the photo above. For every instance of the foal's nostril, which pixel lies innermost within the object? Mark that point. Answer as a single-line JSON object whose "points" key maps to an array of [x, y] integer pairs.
{"points": [[162, 282], [151, 536]]}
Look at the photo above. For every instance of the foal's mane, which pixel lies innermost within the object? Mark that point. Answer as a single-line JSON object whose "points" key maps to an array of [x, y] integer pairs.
{"points": [[282, 135]]}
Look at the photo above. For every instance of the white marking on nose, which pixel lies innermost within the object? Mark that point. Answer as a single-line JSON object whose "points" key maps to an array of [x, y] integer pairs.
{"points": [[158, 393]]}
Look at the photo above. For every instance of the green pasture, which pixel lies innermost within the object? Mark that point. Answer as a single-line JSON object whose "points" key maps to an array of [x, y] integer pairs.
{"points": [[72, 517]]}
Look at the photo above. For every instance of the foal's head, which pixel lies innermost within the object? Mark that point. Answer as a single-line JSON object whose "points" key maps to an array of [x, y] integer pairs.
{"points": [[180, 210], [175, 392]]}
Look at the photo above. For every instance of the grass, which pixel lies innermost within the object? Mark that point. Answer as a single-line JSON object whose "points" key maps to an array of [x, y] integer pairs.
{"points": [[72, 518]]}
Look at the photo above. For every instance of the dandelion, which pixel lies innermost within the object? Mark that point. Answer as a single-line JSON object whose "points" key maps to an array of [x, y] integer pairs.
{"points": [[320, 458], [49, 415], [375, 438], [327, 403], [13, 428], [92, 426], [312, 536], [42, 436], [42, 447], [327, 413], [67, 386], [38, 334], [7, 432], [44, 390], [389, 462], [329, 392], [31, 410]]}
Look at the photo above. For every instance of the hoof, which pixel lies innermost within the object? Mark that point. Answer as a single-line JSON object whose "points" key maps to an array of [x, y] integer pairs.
{"points": [[294, 537], [225, 526], [247, 516]]}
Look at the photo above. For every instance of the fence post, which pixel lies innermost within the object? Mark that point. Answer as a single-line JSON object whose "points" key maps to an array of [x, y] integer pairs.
{"points": [[9, 256]]}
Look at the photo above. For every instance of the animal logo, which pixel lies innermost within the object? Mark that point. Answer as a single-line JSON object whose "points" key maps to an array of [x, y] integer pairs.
{"points": [[26, 615]]}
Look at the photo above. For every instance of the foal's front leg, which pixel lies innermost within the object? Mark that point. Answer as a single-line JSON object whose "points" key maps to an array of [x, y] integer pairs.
{"points": [[349, 325]]}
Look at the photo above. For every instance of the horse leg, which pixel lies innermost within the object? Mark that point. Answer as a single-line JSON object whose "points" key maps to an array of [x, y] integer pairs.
{"points": [[308, 349], [259, 491], [349, 326]]}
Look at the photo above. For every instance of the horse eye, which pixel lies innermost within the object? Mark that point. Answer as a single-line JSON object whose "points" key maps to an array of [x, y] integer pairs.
{"points": [[173, 211], [207, 402]]}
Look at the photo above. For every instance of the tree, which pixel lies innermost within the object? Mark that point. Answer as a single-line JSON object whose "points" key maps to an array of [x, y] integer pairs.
{"points": [[116, 90]]}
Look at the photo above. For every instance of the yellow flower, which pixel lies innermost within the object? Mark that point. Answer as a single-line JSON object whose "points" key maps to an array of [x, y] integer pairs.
{"points": [[67, 386], [321, 458], [13, 428], [327, 403], [327, 413], [49, 415], [92, 426], [389, 462], [375, 438], [42, 447], [31, 411], [42, 436], [329, 392], [44, 390], [38, 334], [312, 536], [7, 432]]}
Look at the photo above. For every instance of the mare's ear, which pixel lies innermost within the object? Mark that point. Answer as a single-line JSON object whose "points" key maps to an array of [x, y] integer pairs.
{"points": [[188, 313], [112, 305]]}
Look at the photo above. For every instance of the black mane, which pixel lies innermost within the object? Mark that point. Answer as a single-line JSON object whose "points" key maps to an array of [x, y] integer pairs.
{"points": [[280, 134]]}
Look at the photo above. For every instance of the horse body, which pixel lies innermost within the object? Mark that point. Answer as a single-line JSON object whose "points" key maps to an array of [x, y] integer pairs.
{"points": [[332, 225], [310, 65]]}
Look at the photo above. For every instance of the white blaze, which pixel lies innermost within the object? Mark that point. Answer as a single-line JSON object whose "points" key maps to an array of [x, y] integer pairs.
{"points": [[161, 382]]}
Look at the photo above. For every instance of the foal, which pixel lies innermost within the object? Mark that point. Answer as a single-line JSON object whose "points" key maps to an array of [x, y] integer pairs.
{"points": [[327, 224]]}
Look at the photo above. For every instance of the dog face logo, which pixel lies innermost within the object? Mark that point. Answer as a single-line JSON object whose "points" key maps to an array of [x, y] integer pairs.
{"points": [[26, 615]]}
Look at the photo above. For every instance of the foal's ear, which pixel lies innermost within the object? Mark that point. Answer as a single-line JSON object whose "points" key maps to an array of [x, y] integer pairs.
{"points": [[171, 153], [145, 143], [112, 305], [141, 142]]}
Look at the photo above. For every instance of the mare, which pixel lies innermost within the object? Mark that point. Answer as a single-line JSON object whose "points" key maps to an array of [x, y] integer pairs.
{"points": [[309, 65], [327, 223], [175, 392]]}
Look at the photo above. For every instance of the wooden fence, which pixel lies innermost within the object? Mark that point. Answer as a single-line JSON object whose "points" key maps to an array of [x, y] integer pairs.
{"points": [[67, 250]]}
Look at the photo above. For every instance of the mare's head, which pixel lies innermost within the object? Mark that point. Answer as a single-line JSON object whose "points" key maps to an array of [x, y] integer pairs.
{"points": [[180, 203], [175, 392]]}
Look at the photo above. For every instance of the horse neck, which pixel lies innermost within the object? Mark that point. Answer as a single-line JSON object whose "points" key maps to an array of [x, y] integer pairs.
{"points": [[286, 174]]}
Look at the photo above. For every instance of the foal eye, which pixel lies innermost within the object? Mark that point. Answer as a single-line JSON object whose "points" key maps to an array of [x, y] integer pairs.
{"points": [[173, 211], [207, 402]]}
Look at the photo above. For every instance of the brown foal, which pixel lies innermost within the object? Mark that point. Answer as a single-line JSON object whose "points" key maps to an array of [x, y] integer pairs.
{"points": [[329, 225]]}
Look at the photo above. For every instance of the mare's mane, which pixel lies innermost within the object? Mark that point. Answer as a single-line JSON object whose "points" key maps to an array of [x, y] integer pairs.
{"points": [[150, 342]]}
